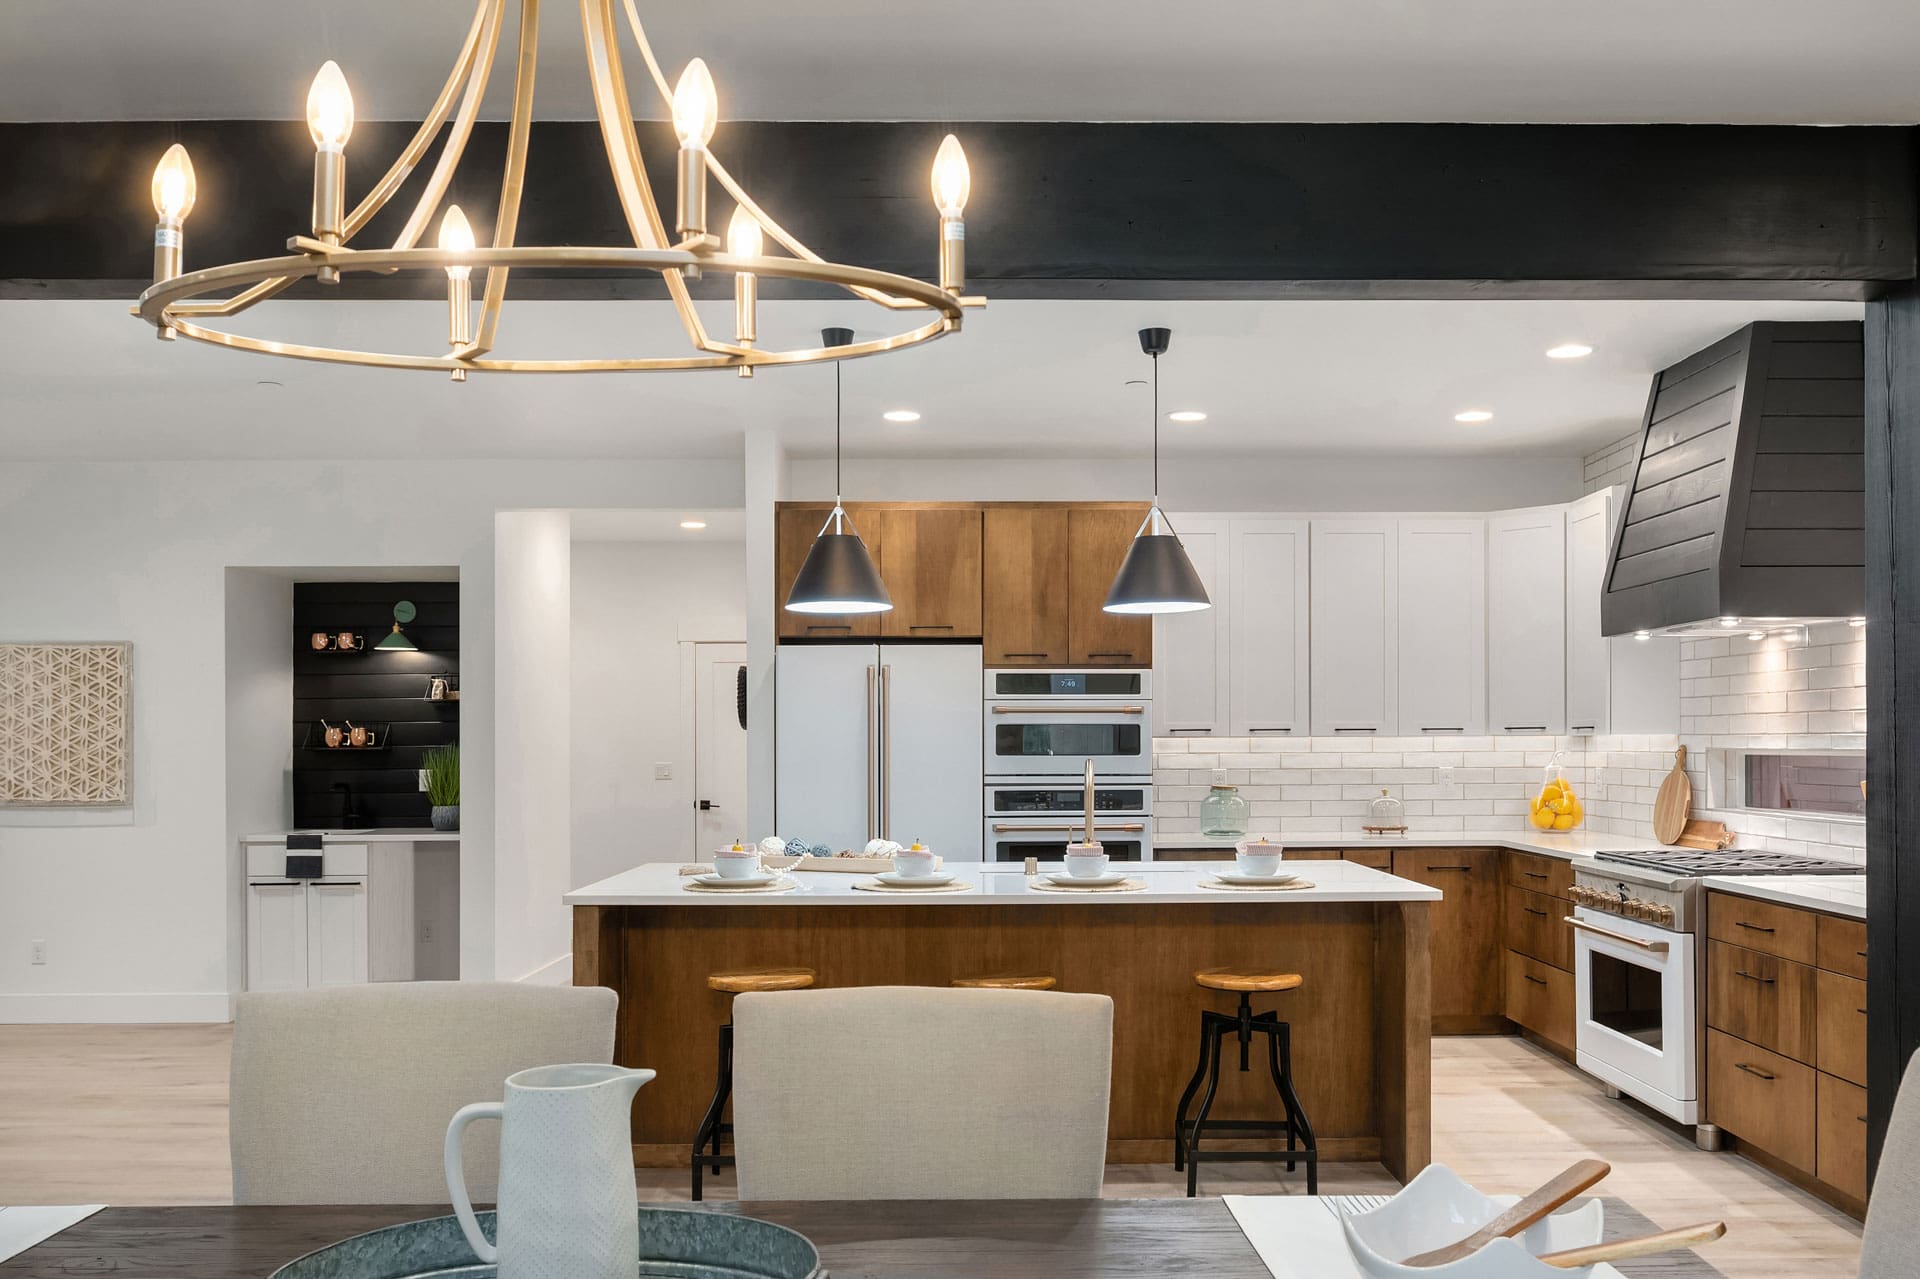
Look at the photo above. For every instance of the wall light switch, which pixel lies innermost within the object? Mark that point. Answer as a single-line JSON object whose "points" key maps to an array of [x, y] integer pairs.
{"points": [[426, 931], [37, 951], [423, 780], [1444, 776], [663, 771]]}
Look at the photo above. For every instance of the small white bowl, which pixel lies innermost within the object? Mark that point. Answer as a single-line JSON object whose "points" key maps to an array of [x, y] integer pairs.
{"points": [[1437, 1208], [911, 864], [1255, 861], [1083, 862], [731, 865]]}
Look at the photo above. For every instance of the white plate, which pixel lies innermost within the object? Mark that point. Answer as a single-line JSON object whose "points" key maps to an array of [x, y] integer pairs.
{"points": [[893, 879], [1068, 880], [714, 880], [1237, 879]]}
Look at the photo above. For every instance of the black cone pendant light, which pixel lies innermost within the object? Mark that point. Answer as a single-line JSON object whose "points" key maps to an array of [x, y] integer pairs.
{"points": [[1156, 576], [838, 576]]}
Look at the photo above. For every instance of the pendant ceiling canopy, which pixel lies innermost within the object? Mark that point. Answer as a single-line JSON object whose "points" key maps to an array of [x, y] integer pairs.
{"points": [[193, 303], [1156, 576]]}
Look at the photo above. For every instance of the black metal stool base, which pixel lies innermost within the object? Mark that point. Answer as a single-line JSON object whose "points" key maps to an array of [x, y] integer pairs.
{"points": [[711, 1130], [1244, 1025]]}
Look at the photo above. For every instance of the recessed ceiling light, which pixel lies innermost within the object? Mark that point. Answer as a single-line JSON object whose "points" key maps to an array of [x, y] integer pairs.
{"points": [[1569, 351], [901, 415], [1186, 415], [693, 524], [1473, 415]]}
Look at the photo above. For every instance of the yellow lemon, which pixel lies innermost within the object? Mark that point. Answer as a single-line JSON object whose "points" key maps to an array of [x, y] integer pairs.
{"points": [[1576, 812], [1563, 822], [1542, 818]]}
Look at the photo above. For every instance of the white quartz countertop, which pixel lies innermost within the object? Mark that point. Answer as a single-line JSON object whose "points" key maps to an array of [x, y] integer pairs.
{"points": [[1565, 847], [390, 835], [661, 884], [1836, 894]]}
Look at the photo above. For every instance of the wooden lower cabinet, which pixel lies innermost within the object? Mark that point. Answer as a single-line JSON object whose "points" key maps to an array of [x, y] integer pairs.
{"points": [[1536, 925], [1469, 987], [1762, 1098], [1840, 1038], [1840, 1135], [1540, 997], [1763, 1000]]}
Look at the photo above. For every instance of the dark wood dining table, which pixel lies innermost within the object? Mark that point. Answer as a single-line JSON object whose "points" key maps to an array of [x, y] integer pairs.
{"points": [[1008, 1239]]}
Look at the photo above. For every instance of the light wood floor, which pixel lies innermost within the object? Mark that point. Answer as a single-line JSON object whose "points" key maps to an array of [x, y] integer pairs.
{"points": [[137, 1115]]}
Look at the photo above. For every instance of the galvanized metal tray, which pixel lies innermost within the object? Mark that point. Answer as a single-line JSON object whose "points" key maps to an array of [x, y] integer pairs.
{"points": [[675, 1243]]}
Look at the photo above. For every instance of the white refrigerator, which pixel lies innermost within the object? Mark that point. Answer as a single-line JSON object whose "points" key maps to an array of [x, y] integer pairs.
{"points": [[879, 741]]}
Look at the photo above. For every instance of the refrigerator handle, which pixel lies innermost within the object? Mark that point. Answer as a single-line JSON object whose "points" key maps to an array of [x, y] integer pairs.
{"points": [[886, 751], [873, 745]]}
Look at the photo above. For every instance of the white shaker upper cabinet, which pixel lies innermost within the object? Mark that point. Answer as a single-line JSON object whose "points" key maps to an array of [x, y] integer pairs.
{"points": [[1190, 649], [1354, 655], [1266, 626], [1527, 621], [1589, 530], [1443, 626]]}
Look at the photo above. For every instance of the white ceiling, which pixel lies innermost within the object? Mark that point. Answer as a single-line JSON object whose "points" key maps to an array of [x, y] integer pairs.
{"points": [[1028, 378], [1783, 61]]}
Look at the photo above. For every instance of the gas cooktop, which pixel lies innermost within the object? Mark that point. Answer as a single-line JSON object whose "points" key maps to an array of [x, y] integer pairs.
{"points": [[1730, 861]]}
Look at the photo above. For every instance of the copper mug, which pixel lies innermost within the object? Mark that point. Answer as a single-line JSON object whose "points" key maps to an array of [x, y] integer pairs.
{"points": [[320, 639], [333, 734], [356, 735], [348, 641]]}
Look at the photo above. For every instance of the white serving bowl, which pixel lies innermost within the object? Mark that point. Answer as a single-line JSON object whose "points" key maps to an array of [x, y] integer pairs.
{"points": [[1437, 1208]]}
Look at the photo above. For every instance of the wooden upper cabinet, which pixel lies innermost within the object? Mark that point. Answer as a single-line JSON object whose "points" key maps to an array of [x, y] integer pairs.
{"points": [[931, 565], [1097, 541], [794, 530], [1024, 608]]}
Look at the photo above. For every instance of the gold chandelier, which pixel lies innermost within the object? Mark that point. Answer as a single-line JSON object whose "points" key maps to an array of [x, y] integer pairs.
{"points": [[184, 303]]}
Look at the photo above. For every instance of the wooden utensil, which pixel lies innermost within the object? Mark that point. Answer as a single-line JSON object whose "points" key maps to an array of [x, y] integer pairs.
{"points": [[1523, 1214], [1712, 836], [1638, 1246], [1674, 804]]}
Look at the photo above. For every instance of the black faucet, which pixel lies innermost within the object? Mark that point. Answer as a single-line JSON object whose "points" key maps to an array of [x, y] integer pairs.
{"points": [[348, 818]]}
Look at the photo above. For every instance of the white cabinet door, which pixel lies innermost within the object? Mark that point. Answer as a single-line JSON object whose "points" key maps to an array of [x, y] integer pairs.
{"points": [[1442, 610], [931, 761], [336, 933], [1266, 627], [1589, 532], [277, 936], [1527, 621], [1354, 655], [1190, 649]]}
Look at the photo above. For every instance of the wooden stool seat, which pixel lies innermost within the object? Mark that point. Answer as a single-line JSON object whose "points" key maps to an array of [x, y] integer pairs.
{"points": [[1244, 979], [1009, 981], [762, 979]]}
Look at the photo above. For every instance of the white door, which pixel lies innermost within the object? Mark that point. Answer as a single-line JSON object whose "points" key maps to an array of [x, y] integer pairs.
{"points": [[1190, 649], [827, 742], [1589, 530], [336, 933], [1267, 627], [931, 755], [1443, 626], [1354, 657], [277, 936], [1527, 621], [719, 747]]}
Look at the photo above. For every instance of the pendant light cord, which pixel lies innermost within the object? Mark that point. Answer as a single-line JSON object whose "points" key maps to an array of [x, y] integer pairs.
{"points": [[836, 433], [1156, 431]]}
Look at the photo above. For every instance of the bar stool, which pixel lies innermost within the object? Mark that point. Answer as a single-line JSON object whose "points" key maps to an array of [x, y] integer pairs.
{"points": [[711, 1128], [1243, 1025], [1007, 981]]}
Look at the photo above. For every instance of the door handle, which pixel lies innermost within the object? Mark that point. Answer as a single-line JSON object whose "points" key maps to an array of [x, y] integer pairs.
{"points": [[886, 751], [1753, 1070], [1764, 981], [1657, 947], [873, 756], [705, 805], [1069, 710], [1538, 981], [1531, 911], [1741, 923]]}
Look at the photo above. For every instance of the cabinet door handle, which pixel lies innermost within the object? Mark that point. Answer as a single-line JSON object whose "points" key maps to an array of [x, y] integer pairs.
{"points": [[1531, 911], [1534, 874], [1579, 728], [931, 626], [1861, 1011], [1861, 953], [1026, 654], [834, 626], [1764, 981], [1429, 728], [1538, 981], [1357, 728], [1525, 728], [1753, 1070], [1127, 654], [1741, 923], [1189, 732], [1255, 732], [1449, 868]]}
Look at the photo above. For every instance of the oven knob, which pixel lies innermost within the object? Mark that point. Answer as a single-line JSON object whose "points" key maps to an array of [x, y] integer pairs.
{"points": [[1663, 914], [1632, 907]]}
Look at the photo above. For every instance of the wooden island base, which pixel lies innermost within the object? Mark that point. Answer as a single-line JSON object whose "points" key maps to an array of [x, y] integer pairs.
{"points": [[1359, 1021]]}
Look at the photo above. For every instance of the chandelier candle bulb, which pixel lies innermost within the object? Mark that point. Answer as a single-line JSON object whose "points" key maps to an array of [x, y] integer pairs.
{"points": [[744, 241], [330, 122], [696, 111], [174, 191], [952, 183], [456, 234]]}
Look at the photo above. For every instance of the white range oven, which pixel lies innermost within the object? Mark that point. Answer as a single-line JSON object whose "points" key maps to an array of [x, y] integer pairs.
{"points": [[1050, 723], [1039, 819]]}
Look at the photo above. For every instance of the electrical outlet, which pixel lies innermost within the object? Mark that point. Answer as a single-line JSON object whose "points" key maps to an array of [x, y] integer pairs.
{"points": [[663, 771], [426, 931], [1444, 776], [37, 951], [423, 781]]}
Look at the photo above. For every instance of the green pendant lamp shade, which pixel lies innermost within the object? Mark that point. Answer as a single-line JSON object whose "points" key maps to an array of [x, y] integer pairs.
{"points": [[1156, 576], [838, 577], [397, 641]]}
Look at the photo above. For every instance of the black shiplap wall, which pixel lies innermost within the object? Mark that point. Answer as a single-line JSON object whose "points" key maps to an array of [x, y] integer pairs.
{"points": [[371, 688]]}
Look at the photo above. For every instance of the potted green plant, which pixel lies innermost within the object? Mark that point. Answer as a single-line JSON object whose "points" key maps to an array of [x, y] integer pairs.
{"points": [[443, 785]]}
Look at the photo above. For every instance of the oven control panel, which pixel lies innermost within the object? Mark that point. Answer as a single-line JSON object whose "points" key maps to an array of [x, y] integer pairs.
{"points": [[1630, 907], [1664, 905]]}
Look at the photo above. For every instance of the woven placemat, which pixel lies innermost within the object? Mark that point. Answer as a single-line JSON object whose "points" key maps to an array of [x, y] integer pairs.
{"points": [[1222, 887], [782, 885], [875, 886], [1128, 885]]}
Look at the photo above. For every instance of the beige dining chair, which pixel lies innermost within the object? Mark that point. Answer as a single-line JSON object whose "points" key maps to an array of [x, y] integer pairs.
{"points": [[343, 1095], [907, 1092], [1890, 1248]]}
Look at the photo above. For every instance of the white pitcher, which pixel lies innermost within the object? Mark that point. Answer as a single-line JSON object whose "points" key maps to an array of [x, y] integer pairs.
{"points": [[567, 1205]]}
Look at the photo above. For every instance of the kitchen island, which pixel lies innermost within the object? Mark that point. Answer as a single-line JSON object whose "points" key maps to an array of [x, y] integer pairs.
{"points": [[1358, 937]]}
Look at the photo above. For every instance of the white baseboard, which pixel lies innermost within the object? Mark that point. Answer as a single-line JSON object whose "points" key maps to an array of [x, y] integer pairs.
{"points": [[163, 1006], [555, 972]]}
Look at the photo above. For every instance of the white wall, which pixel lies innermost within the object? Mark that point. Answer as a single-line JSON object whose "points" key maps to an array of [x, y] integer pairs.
{"points": [[636, 606], [259, 755], [136, 916]]}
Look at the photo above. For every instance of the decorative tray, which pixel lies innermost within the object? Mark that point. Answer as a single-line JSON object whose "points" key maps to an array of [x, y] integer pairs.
{"points": [[680, 1243], [838, 865]]}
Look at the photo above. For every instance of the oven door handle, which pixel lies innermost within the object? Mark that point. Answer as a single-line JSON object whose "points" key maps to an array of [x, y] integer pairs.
{"points": [[1657, 947], [1069, 710], [1007, 828]]}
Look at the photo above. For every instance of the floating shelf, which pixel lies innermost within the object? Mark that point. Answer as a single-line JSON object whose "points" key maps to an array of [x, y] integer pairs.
{"points": [[316, 740], [357, 642]]}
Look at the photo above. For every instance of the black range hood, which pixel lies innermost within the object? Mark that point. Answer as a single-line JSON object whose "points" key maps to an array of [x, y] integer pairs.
{"points": [[1748, 496]]}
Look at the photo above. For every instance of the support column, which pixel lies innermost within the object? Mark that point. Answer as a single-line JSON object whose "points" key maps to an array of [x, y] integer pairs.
{"points": [[766, 483]]}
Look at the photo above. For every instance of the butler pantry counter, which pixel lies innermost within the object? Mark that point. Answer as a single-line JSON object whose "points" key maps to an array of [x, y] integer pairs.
{"points": [[1358, 938]]}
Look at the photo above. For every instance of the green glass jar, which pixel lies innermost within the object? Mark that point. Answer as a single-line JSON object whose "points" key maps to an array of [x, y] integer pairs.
{"points": [[1223, 813]]}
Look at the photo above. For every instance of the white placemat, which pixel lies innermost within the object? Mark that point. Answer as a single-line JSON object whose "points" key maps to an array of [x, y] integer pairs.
{"points": [[781, 885], [875, 886], [1129, 885], [23, 1228], [1221, 885], [1299, 1236]]}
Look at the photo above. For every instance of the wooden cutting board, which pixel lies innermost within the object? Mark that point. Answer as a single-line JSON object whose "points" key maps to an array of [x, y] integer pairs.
{"points": [[1674, 804]]}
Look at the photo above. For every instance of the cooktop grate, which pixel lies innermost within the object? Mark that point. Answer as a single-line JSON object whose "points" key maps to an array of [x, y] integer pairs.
{"points": [[1731, 861]]}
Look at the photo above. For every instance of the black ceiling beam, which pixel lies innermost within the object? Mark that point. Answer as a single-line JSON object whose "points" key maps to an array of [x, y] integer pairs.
{"points": [[1075, 210]]}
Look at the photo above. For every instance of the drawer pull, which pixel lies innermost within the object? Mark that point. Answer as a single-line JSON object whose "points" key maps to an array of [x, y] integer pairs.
{"points": [[1534, 874], [1861, 953], [1764, 981], [1861, 1118], [1449, 868], [1741, 923], [1755, 1071], [1531, 911], [1538, 981], [1861, 1011], [931, 626]]}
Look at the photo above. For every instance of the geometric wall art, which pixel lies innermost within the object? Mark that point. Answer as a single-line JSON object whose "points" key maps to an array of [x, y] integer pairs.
{"points": [[66, 725]]}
